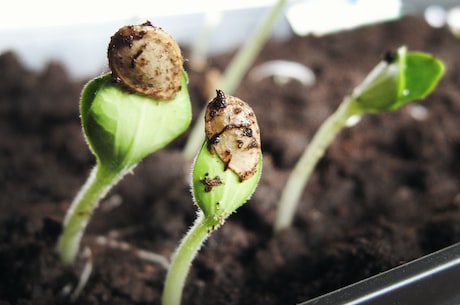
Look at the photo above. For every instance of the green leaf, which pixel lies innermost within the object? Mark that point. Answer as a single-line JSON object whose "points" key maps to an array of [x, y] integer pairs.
{"points": [[421, 74], [219, 191], [123, 127], [395, 81]]}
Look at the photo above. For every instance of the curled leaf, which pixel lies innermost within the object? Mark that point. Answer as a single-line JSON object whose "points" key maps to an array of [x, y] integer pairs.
{"points": [[122, 128], [400, 78], [217, 191], [228, 166]]}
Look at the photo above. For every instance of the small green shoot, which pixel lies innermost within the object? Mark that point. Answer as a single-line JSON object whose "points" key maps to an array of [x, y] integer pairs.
{"points": [[121, 128], [219, 185], [398, 79]]}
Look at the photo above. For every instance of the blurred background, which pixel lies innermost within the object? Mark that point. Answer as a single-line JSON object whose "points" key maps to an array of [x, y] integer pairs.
{"points": [[76, 33]]}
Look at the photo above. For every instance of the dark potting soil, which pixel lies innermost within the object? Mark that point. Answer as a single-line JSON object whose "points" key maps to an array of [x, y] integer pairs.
{"points": [[386, 192]]}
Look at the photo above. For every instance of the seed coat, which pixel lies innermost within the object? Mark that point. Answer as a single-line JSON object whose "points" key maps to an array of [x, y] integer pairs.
{"points": [[233, 134], [147, 60]]}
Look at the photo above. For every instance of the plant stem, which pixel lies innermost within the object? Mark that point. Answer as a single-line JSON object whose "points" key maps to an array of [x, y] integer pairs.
{"points": [[98, 184], [243, 59], [198, 53], [182, 260], [235, 72], [307, 162]]}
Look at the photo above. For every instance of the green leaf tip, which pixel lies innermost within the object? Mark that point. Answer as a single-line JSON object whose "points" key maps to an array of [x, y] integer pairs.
{"points": [[228, 166], [400, 78], [422, 73], [122, 127]]}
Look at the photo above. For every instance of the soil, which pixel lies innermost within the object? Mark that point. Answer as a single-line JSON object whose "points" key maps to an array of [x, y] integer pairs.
{"points": [[386, 192]]}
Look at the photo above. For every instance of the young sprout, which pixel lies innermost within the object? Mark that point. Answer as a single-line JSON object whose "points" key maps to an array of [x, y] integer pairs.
{"points": [[126, 115], [399, 78], [225, 174]]}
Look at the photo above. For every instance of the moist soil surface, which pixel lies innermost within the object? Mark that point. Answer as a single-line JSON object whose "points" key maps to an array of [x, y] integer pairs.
{"points": [[386, 192]]}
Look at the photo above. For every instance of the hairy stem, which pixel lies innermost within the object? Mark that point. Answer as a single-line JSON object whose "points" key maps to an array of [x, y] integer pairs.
{"points": [[98, 184], [307, 162], [182, 260]]}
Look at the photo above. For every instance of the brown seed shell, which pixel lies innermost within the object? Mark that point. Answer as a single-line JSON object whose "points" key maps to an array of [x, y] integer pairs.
{"points": [[147, 60], [233, 134]]}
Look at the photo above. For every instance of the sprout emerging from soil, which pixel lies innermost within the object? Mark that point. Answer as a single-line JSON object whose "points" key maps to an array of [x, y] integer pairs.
{"points": [[225, 174], [399, 78], [127, 115]]}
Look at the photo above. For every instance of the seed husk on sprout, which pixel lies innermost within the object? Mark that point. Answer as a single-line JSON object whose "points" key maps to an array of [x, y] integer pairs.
{"points": [[146, 60]]}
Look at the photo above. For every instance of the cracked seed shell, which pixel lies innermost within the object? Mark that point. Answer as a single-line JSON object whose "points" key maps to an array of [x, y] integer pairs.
{"points": [[147, 60], [233, 134]]}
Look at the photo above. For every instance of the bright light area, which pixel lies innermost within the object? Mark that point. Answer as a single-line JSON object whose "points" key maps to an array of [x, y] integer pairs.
{"points": [[76, 33], [322, 17], [435, 15], [453, 20], [44, 13]]}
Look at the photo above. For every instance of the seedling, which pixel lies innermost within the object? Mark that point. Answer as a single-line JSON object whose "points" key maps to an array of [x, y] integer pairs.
{"points": [[225, 174], [126, 115], [399, 78]]}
